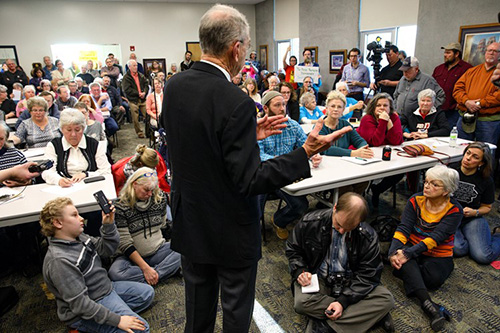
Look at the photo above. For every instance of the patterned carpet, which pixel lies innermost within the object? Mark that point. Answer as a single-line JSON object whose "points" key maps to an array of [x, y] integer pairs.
{"points": [[471, 294]]}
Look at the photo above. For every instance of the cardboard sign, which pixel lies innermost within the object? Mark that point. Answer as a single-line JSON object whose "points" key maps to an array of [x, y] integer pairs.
{"points": [[302, 71]]}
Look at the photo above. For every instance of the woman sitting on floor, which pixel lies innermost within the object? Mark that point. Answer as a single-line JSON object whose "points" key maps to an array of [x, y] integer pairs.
{"points": [[476, 194], [421, 251], [141, 211], [75, 155], [309, 112], [426, 121], [143, 157]]}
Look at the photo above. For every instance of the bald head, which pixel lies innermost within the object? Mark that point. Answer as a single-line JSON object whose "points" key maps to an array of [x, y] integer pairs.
{"points": [[492, 55], [352, 209]]}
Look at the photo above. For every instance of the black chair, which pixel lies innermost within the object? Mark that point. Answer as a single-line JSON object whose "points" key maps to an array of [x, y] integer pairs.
{"points": [[270, 197]]}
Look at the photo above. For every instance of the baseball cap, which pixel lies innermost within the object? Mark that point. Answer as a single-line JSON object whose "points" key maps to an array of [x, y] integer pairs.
{"points": [[269, 96], [452, 46], [408, 63]]}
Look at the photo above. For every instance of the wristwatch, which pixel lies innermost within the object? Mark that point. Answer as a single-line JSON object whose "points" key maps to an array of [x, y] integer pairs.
{"points": [[477, 212]]}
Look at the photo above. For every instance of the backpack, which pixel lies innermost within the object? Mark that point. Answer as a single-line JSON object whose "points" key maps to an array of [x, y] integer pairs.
{"points": [[385, 226]]}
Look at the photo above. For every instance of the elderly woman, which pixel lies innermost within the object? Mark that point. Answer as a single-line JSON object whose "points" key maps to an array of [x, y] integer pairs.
{"points": [[351, 103], [6, 104], [292, 105], [426, 121], [9, 156], [476, 194], [46, 85], [144, 255], [253, 91], [309, 112], [153, 100], [273, 82], [75, 155], [421, 251], [38, 130], [94, 112], [53, 110], [94, 129], [61, 74], [28, 92], [381, 126], [143, 156]]}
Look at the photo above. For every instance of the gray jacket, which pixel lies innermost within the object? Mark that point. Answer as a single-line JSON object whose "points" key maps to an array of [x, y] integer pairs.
{"points": [[405, 96], [74, 274]]}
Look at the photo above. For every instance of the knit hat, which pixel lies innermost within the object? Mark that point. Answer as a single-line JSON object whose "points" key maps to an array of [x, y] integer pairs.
{"points": [[269, 96]]}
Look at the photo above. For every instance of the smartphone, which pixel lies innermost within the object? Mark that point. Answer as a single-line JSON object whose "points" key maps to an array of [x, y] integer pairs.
{"points": [[102, 201]]}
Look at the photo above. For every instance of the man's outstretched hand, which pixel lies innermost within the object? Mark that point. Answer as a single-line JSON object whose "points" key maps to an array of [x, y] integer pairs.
{"points": [[268, 126], [316, 143]]}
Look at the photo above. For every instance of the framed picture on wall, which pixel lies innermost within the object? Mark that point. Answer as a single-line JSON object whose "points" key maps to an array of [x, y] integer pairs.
{"points": [[8, 52], [195, 49], [314, 52], [475, 39], [337, 59], [263, 56], [154, 65]]}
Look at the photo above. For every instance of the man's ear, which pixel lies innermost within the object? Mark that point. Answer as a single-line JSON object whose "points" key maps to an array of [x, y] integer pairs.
{"points": [[236, 50]]}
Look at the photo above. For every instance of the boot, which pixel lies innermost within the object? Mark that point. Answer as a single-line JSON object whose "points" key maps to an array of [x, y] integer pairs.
{"points": [[436, 313], [387, 323]]}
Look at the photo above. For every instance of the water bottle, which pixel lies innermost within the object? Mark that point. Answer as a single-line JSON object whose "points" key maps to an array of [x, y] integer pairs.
{"points": [[453, 137]]}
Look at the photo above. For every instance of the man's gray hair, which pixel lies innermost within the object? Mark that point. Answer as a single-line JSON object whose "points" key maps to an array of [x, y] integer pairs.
{"points": [[78, 79], [221, 26], [45, 81], [3, 88], [29, 87], [130, 62], [72, 117], [307, 98], [448, 176], [94, 84], [427, 93], [340, 84], [37, 101]]}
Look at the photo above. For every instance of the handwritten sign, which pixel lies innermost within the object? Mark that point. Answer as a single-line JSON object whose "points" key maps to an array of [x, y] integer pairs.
{"points": [[302, 71], [88, 55]]}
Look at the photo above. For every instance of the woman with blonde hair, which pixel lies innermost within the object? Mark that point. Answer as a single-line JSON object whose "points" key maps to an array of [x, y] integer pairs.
{"points": [[143, 156], [253, 91], [144, 255]]}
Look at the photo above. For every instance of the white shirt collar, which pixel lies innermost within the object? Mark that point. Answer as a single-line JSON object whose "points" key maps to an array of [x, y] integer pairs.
{"points": [[226, 73], [66, 145]]}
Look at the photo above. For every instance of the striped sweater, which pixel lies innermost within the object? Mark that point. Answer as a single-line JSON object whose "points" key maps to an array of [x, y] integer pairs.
{"points": [[10, 157], [422, 232]]}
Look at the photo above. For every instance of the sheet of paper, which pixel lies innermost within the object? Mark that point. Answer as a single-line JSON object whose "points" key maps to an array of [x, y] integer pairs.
{"points": [[17, 95], [11, 193], [29, 153], [313, 287], [64, 191], [361, 161]]}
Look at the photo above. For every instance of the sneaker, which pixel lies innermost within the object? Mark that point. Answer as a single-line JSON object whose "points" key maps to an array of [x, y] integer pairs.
{"points": [[282, 233], [141, 135]]}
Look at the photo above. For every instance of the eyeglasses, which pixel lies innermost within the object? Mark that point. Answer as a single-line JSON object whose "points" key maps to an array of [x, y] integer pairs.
{"points": [[432, 184], [147, 175], [492, 51]]}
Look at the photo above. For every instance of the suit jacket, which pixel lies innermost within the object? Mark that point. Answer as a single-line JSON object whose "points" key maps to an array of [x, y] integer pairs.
{"points": [[217, 172]]}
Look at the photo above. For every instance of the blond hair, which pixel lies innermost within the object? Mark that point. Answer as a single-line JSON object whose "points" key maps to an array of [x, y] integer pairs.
{"points": [[333, 95], [143, 176], [147, 156], [52, 210]]}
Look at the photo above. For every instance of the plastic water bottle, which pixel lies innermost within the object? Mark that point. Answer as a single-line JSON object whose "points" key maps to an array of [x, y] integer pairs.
{"points": [[453, 137]]}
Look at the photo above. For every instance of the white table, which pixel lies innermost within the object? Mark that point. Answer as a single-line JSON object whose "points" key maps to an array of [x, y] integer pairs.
{"points": [[333, 172], [11, 122], [27, 209]]}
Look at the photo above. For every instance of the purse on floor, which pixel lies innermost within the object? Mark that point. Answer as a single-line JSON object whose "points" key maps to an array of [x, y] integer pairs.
{"points": [[420, 149]]}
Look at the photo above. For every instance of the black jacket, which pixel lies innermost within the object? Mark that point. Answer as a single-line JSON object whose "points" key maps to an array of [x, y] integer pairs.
{"points": [[292, 109], [216, 168], [309, 243], [435, 123], [130, 88]]}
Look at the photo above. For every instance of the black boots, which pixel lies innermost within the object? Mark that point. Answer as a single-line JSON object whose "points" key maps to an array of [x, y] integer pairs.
{"points": [[436, 313], [387, 323]]}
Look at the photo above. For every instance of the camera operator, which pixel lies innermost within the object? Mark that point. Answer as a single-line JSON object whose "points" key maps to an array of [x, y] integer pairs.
{"points": [[390, 74], [344, 253]]}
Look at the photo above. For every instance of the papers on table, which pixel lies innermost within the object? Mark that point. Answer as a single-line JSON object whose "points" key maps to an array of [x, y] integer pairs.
{"points": [[64, 191], [361, 161], [313, 287], [8, 194], [30, 153]]}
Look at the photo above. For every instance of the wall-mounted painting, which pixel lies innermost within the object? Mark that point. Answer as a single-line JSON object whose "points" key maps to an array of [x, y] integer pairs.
{"points": [[475, 39], [337, 59]]}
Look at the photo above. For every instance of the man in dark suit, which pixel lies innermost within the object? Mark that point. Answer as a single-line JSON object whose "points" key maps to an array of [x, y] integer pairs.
{"points": [[217, 173]]}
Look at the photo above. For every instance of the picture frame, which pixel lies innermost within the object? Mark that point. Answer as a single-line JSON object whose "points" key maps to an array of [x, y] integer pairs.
{"points": [[314, 52], [8, 52], [338, 58], [474, 40], [195, 49], [148, 63], [263, 57]]}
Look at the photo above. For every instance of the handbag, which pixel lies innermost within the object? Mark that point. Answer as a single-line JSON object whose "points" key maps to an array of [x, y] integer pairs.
{"points": [[420, 149]]}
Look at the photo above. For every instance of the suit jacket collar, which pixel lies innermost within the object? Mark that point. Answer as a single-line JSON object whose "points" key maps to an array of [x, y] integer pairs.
{"points": [[209, 68]]}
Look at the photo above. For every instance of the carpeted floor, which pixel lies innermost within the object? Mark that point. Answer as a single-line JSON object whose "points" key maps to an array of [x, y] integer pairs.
{"points": [[471, 294]]}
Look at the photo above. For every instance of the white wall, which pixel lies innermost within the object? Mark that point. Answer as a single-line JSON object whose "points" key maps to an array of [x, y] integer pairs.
{"points": [[380, 14], [157, 30], [287, 19]]}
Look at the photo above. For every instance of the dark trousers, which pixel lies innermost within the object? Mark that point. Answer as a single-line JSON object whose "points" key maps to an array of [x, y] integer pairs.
{"points": [[237, 288], [295, 208], [357, 95], [424, 272]]}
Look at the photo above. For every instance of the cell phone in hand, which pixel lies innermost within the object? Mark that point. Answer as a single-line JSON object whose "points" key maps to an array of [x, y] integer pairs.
{"points": [[103, 202], [329, 312]]}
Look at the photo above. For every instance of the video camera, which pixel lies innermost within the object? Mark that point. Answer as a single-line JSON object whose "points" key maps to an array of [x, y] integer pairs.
{"points": [[375, 51]]}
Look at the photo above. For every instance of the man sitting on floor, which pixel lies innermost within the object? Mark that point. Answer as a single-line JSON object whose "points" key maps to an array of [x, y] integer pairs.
{"points": [[344, 253], [292, 137]]}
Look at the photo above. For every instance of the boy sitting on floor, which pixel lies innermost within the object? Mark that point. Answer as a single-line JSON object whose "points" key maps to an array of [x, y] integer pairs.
{"points": [[86, 298]]}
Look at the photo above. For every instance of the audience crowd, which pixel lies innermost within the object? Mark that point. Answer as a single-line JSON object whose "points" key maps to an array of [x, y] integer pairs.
{"points": [[76, 112]]}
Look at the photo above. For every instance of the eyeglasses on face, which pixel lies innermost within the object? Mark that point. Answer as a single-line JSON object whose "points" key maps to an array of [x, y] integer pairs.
{"points": [[432, 183]]}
